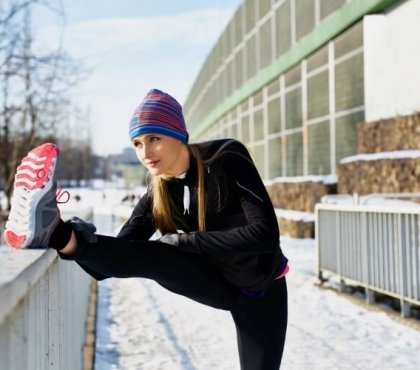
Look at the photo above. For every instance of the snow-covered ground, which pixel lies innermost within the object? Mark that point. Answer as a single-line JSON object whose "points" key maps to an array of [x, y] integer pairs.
{"points": [[152, 329], [142, 326]]}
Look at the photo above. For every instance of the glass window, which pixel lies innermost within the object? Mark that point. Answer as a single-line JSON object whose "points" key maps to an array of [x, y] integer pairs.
{"points": [[346, 134], [349, 83], [329, 6], [250, 15], [318, 59], [238, 33], [318, 99], [294, 152], [264, 7], [251, 57], [319, 148], [258, 98], [225, 133], [283, 28], [305, 17], [294, 108], [293, 76], [274, 87], [239, 80], [265, 44], [224, 44], [245, 105], [230, 76], [349, 41], [245, 130], [234, 133], [223, 85], [258, 151], [274, 117], [259, 125], [274, 158]]}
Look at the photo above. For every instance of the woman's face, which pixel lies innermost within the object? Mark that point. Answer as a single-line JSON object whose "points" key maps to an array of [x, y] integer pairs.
{"points": [[160, 154]]}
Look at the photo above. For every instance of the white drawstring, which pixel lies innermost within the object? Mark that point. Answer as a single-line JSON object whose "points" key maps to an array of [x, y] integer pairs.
{"points": [[186, 194], [186, 199]]}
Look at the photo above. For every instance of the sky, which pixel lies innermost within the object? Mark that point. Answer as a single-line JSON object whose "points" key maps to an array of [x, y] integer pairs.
{"points": [[130, 47]]}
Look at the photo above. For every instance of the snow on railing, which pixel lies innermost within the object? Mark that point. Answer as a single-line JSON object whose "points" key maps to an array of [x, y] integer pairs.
{"points": [[374, 246]]}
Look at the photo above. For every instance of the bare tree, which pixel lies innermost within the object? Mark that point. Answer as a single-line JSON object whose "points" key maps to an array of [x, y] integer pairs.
{"points": [[76, 158], [35, 89]]}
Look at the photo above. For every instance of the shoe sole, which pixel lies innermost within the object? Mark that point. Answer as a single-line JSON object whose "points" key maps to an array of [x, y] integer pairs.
{"points": [[35, 177]]}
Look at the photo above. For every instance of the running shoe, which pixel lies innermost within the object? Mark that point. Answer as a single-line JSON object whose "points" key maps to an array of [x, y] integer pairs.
{"points": [[34, 213]]}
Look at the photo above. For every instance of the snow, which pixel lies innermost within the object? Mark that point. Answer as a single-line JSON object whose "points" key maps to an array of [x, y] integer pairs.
{"points": [[400, 154], [325, 179], [143, 326], [154, 329], [105, 201], [295, 215]]}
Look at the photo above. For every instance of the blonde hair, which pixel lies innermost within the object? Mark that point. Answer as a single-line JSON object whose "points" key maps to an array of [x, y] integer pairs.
{"points": [[164, 212]]}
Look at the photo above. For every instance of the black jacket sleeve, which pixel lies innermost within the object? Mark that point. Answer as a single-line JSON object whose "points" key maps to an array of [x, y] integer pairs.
{"points": [[140, 225], [260, 233]]}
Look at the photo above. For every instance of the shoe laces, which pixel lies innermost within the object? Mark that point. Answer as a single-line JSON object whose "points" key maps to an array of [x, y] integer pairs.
{"points": [[60, 193]]}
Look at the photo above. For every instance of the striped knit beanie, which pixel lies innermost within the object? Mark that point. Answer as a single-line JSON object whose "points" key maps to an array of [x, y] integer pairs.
{"points": [[159, 113]]}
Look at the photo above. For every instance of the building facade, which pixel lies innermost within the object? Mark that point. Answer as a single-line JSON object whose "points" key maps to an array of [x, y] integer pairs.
{"points": [[293, 78]]}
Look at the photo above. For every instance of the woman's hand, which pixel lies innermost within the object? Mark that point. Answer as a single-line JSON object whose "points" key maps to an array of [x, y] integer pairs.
{"points": [[183, 241], [171, 239]]}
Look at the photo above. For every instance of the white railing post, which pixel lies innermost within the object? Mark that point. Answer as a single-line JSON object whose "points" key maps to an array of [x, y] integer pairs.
{"points": [[376, 247], [43, 310]]}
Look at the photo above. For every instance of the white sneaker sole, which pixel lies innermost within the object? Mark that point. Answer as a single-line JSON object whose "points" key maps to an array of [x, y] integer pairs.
{"points": [[33, 180]]}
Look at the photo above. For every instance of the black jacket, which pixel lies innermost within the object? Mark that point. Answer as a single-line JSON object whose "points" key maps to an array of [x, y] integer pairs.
{"points": [[242, 236]]}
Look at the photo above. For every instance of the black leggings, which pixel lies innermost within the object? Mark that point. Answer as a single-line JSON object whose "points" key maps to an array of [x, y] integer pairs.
{"points": [[260, 322]]}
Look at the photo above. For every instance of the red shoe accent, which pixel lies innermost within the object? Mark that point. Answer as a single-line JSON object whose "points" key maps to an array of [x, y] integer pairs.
{"points": [[34, 190], [37, 178], [46, 150], [14, 240]]}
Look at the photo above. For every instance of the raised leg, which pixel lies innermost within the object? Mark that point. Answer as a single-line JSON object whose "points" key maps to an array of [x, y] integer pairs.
{"points": [[190, 275]]}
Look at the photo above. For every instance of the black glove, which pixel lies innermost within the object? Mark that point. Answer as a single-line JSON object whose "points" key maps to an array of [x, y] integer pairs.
{"points": [[86, 229], [184, 242]]}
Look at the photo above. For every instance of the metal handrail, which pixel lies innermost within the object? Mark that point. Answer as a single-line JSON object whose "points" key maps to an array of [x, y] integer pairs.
{"points": [[364, 199], [373, 246]]}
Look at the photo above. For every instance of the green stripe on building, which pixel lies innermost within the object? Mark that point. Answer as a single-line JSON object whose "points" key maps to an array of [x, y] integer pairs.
{"points": [[333, 25]]}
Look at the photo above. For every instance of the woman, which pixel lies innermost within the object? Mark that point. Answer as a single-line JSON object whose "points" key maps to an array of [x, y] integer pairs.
{"points": [[220, 243]]}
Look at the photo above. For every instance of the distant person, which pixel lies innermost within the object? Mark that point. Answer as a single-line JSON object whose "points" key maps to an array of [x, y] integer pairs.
{"points": [[220, 243]]}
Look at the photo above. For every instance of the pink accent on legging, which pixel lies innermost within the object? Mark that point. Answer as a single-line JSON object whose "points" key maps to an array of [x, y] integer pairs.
{"points": [[285, 271]]}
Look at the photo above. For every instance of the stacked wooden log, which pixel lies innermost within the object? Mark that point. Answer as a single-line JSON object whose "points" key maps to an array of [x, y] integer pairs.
{"points": [[393, 169], [400, 175], [397, 170], [296, 229], [299, 196], [400, 133]]}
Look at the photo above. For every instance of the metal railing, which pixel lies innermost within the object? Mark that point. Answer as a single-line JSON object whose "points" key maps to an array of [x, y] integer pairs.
{"points": [[375, 247]]}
